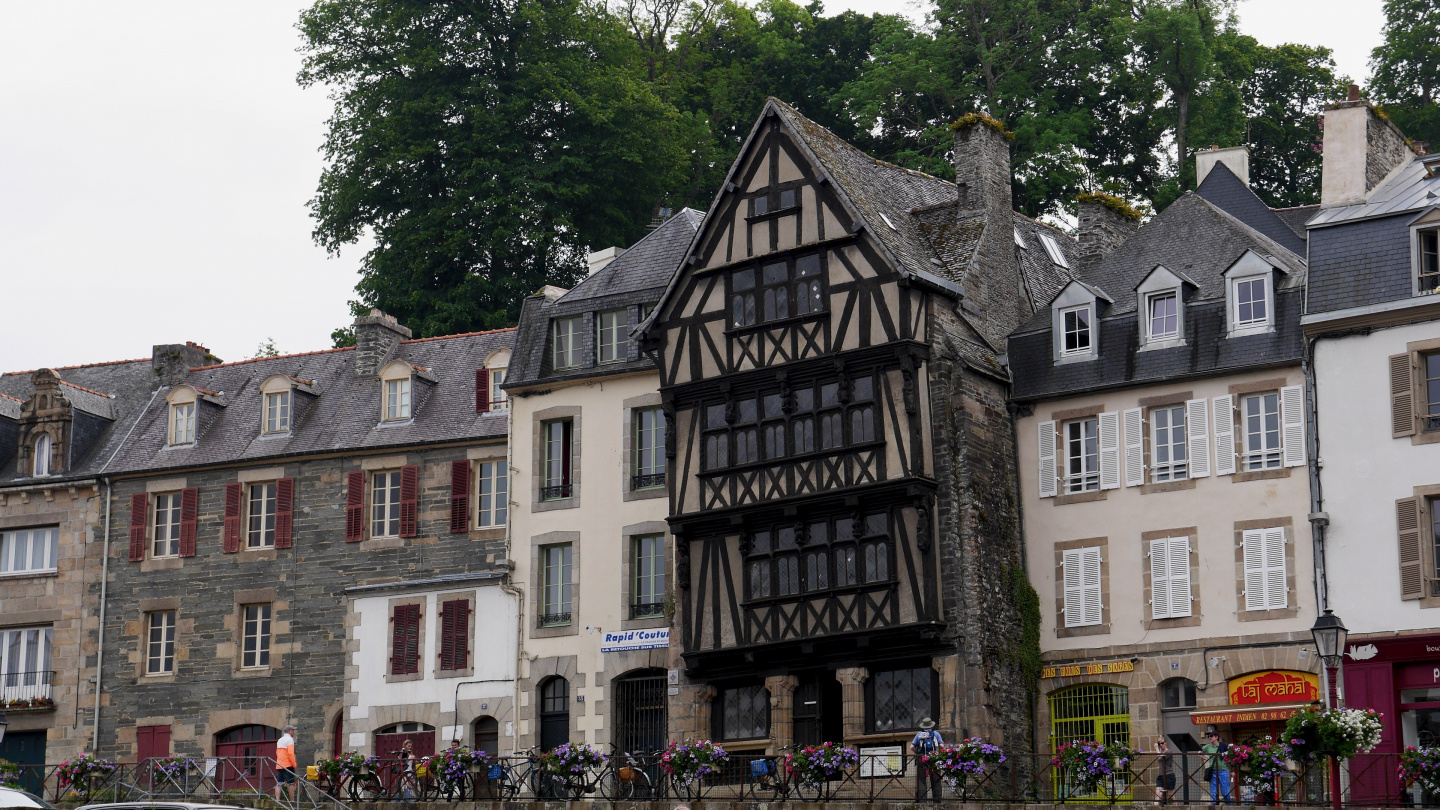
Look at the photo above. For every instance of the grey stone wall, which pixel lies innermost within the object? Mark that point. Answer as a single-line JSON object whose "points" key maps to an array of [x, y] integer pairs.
{"points": [[982, 175], [1101, 231]]}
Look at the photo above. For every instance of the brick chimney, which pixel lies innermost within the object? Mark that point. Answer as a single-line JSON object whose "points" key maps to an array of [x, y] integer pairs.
{"points": [[1235, 158], [1105, 222], [172, 361], [1360, 149], [376, 336]]}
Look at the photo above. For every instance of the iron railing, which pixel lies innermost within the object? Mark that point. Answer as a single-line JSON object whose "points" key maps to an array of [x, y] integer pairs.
{"points": [[646, 480], [228, 780], [554, 493], [26, 690], [646, 610], [554, 619]]}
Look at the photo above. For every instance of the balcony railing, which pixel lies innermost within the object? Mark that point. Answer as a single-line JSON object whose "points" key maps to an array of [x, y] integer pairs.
{"points": [[647, 610], [554, 619], [647, 480], [1429, 423], [555, 493], [20, 691]]}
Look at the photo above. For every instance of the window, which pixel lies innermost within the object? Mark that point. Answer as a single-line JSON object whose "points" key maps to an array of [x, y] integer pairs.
{"points": [[1082, 597], [1170, 578], [455, 635], [25, 663], [555, 604], [1260, 421], [498, 400], [160, 643], [649, 564], [1433, 507], [1177, 693], [1091, 711], [835, 553], [1082, 456], [1164, 317], [808, 295], [277, 412], [744, 713], [29, 550], [787, 288], [900, 698], [182, 423], [1427, 277], [1168, 459], [557, 466], [565, 343], [385, 504], [1430, 371], [1075, 330], [397, 400], [613, 337], [649, 449], [746, 435], [717, 445], [261, 530], [1052, 249], [405, 640], [493, 494], [742, 299], [554, 713], [255, 638], [1265, 585], [42, 455], [1252, 306], [166, 539]]}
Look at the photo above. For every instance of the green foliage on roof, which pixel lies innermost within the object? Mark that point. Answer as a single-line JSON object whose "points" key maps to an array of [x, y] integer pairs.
{"points": [[1112, 202]]}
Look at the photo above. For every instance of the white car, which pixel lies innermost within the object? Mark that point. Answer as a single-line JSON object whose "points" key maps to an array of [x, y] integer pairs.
{"points": [[157, 805], [16, 798]]}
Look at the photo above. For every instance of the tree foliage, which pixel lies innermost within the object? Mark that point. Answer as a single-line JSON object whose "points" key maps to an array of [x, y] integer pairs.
{"points": [[1406, 68]]}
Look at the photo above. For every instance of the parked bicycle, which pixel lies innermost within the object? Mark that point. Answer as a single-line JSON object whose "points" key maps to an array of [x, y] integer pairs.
{"points": [[772, 779], [632, 780]]}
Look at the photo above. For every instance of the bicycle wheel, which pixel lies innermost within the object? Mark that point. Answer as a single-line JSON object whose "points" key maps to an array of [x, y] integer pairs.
{"points": [[808, 792]]}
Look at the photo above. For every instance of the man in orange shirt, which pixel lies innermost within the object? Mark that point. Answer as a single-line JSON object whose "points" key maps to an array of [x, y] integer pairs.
{"points": [[285, 764]]}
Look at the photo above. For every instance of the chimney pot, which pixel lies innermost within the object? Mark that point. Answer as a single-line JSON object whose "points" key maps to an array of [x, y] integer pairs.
{"points": [[1235, 158], [376, 337], [1352, 93]]}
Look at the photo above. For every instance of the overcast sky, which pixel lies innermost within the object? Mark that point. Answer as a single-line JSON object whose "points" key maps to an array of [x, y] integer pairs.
{"points": [[156, 159]]}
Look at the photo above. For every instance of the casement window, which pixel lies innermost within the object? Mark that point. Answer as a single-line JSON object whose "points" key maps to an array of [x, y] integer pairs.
{"points": [[1168, 458], [648, 564], [25, 662], [1415, 391], [743, 713], [1163, 316], [165, 539], [1427, 262], [835, 553], [818, 418], [405, 640], [1082, 455], [1250, 296], [612, 335], [1082, 596], [745, 434], [397, 400], [1179, 443], [1255, 432], [898, 699], [1251, 302], [557, 462], [1075, 330], [260, 511], [774, 200], [499, 401], [565, 343], [43, 449], [1260, 425], [255, 636], [182, 423], [29, 550], [717, 441], [649, 449], [454, 635], [1430, 390], [1265, 582], [385, 504], [160, 642], [555, 585], [492, 492], [277, 412], [786, 288], [1170, 578], [1052, 249]]}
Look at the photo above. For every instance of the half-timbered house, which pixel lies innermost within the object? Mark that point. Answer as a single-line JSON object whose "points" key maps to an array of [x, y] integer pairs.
{"points": [[843, 499]]}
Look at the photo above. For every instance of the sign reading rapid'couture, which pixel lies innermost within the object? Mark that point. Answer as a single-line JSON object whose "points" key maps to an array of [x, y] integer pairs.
{"points": [[626, 640]]}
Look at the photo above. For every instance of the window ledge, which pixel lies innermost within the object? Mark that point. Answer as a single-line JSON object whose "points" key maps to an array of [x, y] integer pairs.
{"points": [[1261, 475], [776, 214], [1085, 630], [858, 588], [251, 672], [1167, 486], [1067, 359], [162, 564], [760, 326], [1157, 345], [148, 679], [1247, 331], [23, 574], [1266, 615], [1080, 497], [255, 554], [771, 462], [384, 423], [376, 543], [1179, 621]]}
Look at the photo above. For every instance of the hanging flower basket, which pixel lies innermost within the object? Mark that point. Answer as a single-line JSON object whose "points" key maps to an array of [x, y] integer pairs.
{"points": [[1258, 766], [1086, 764], [956, 763], [571, 760], [80, 771], [815, 766], [688, 763], [171, 768], [1339, 733], [354, 764], [1421, 766]]}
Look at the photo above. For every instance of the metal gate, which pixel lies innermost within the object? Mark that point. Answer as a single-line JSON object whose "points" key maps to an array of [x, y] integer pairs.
{"points": [[640, 713]]}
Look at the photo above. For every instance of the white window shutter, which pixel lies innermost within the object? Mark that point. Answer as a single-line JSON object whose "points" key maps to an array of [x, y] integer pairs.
{"points": [[1197, 436], [1275, 590], [1224, 410], [1134, 429], [1159, 579], [1090, 559], [1254, 542], [1292, 424], [1074, 592], [1049, 479], [1179, 577], [1109, 429]]}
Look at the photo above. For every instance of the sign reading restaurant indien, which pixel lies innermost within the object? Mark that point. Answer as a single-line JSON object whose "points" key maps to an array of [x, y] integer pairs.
{"points": [[1261, 697]]}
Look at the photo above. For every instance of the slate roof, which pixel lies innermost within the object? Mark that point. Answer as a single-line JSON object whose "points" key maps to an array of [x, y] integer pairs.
{"points": [[1230, 194], [637, 276], [1411, 188], [345, 416], [1296, 217], [1043, 278]]}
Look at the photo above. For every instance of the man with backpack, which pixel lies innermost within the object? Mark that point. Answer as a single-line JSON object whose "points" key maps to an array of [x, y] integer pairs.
{"points": [[926, 743]]}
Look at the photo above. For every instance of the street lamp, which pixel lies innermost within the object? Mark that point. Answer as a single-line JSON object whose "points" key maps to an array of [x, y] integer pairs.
{"points": [[1330, 633]]}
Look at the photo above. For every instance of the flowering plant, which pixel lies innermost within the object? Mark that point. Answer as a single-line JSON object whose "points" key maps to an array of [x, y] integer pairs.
{"points": [[818, 764], [453, 764], [692, 761], [955, 762], [77, 770], [1421, 766], [9, 774], [355, 764], [331, 769], [1258, 765], [1339, 733], [1087, 763], [28, 703], [568, 759], [170, 767]]}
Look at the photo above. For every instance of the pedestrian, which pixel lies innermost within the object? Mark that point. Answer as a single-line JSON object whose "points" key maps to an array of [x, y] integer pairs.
{"points": [[925, 744], [1165, 779], [1217, 773], [407, 770], [285, 764]]}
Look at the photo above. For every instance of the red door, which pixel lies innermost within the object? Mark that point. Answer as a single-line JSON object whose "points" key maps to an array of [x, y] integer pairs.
{"points": [[151, 742], [246, 758], [387, 748]]}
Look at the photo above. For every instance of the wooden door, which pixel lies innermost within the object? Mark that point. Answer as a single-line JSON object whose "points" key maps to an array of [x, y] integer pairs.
{"points": [[247, 758], [151, 742]]}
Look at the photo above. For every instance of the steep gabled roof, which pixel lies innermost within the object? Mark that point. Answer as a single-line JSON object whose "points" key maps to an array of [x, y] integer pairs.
{"points": [[1227, 192], [1409, 188]]}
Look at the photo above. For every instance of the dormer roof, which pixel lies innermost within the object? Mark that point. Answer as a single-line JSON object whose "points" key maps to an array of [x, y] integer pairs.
{"points": [[1161, 276]]}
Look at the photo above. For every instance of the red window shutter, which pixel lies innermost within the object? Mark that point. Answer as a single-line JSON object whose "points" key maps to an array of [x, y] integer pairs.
{"points": [[139, 511], [354, 506], [409, 499], [284, 511], [460, 496], [455, 634], [189, 507], [482, 390], [447, 636], [232, 518], [405, 641]]}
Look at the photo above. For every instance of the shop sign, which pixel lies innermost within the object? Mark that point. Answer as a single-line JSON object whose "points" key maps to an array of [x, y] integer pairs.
{"points": [[626, 640], [1274, 686], [1417, 676], [882, 760], [1399, 649], [1235, 715], [1075, 670]]}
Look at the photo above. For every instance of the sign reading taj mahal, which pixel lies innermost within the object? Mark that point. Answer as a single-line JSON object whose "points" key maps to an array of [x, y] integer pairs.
{"points": [[1275, 686]]}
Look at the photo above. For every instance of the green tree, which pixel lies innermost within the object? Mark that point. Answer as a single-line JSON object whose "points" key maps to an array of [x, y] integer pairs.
{"points": [[1406, 68], [1285, 93], [1177, 38]]}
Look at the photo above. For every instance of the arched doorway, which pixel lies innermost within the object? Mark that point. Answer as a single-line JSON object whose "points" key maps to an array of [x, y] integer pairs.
{"points": [[337, 736], [486, 735], [390, 739], [246, 757], [554, 713], [640, 711]]}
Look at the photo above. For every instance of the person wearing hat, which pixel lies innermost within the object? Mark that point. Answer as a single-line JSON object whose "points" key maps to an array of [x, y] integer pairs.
{"points": [[1217, 773], [927, 741]]}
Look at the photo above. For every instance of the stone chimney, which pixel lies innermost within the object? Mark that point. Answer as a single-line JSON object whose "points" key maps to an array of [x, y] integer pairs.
{"points": [[600, 258], [982, 165], [1360, 149], [982, 186], [1235, 158], [172, 361], [1105, 222], [376, 336]]}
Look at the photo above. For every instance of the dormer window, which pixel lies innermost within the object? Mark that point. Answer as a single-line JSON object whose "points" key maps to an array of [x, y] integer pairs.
{"points": [[182, 423], [612, 335], [1075, 322], [1427, 269], [42, 455], [1164, 316], [1075, 330], [1250, 305], [277, 412], [1160, 304], [489, 396], [565, 343], [398, 380]]}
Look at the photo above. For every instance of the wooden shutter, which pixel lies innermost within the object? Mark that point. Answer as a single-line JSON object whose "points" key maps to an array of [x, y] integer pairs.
{"points": [[454, 634], [409, 499], [1265, 586], [1407, 523], [284, 512], [1133, 424], [1276, 595], [1197, 437], [1082, 587], [1160, 578], [1108, 428], [482, 390], [1049, 476], [1179, 564], [1292, 424], [405, 640], [139, 513], [233, 497], [1090, 577], [1074, 592], [354, 506], [1402, 397], [460, 496], [189, 509], [1224, 411]]}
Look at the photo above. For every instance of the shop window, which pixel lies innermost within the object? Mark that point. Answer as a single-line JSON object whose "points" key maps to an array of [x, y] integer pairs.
{"points": [[897, 700], [1092, 711]]}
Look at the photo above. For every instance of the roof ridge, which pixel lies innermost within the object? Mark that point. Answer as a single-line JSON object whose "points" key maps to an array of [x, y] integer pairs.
{"points": [[461, 335], [80, 365], [7, 396], [276, 357], [88, 390], [694, 226]]}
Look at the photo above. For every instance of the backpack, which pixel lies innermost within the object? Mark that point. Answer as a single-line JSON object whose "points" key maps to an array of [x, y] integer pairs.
{"points": [[926, 743]]}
